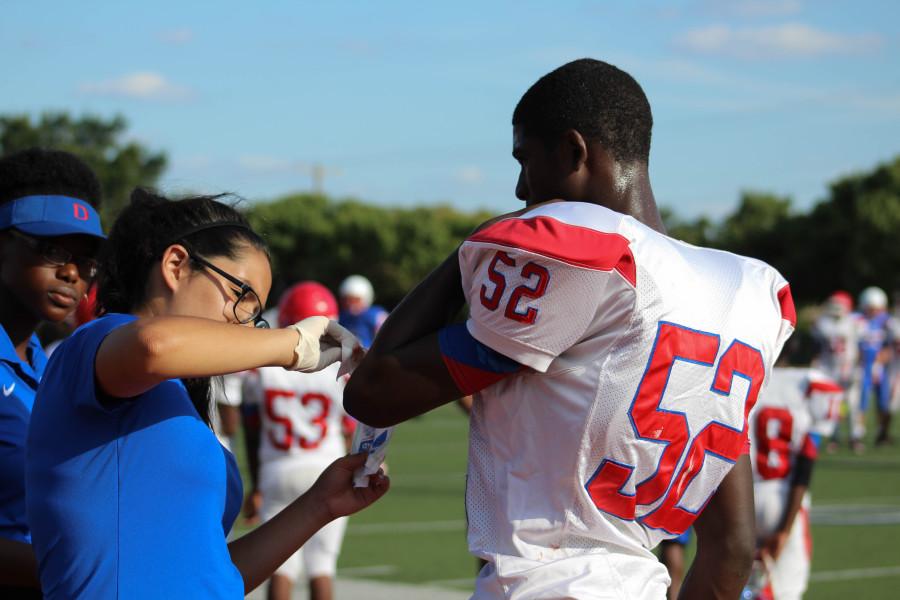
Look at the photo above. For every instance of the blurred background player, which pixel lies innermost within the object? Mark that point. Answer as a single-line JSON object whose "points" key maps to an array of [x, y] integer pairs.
{"points": [[49, 236], [875, 345], [836, 332], [296, 426], [358, 314], [799, 407]]}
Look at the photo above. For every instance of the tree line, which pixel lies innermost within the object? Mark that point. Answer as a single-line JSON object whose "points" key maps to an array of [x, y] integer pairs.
{"points": [[848, 240]]}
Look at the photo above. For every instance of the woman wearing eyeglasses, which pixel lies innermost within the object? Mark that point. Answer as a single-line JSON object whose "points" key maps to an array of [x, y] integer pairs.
{"points": [[130, 493], [49, 234]]}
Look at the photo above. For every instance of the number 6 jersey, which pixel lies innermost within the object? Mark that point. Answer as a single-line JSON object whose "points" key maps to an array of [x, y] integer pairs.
{"points": [[644, 355]]}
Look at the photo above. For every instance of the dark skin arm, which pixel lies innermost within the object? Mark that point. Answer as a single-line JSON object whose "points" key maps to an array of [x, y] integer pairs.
{"points": [[725, 539], [774, 544], [18, 566], [229, 417], [250, 418], [403, 374]]}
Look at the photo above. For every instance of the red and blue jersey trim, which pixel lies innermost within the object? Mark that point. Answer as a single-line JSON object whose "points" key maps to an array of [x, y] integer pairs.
{"points": [[578, 246], [472, 365], [786, 302], [810, 447]]}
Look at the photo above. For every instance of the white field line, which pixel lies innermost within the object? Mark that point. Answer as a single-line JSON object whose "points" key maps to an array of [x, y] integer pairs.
{"points": [[850, 514], [464, 581], [863, 500], [845, 574], [855, 514], [860, 460]]}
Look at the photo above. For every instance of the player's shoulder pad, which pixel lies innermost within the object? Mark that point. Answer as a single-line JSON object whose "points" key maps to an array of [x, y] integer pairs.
{"points": [[578, 234]]}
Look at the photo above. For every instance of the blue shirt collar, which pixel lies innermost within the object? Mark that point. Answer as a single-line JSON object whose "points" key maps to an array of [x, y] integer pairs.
{"points": [[38, 358]]}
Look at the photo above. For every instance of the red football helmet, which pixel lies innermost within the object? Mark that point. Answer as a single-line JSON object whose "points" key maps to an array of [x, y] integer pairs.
{"points": [[839, 303], [87, 307], [306, 299]]}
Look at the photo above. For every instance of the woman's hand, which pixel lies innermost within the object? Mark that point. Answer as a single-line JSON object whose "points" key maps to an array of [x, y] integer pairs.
{"points": [[334, 490]]}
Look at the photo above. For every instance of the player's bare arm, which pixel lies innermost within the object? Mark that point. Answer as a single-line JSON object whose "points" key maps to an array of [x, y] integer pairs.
{"points": [[144, 353], [403, 374], [725, 539], [18, 565], [251, 393], [773, 546]]}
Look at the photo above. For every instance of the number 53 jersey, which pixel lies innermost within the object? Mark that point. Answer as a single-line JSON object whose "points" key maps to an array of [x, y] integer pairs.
{"points": [[643, 356], [302, 418]]}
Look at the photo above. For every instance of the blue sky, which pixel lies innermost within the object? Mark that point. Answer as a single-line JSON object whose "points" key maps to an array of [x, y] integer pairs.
{"points": [[410, 102]]}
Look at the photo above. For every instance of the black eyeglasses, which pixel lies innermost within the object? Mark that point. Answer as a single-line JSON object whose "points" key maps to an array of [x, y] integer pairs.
{"points": [[247, 305], [58, 256]]}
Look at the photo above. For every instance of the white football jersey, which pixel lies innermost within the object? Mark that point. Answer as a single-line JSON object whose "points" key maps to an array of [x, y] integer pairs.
{"points": [[302, 416], [839, 341], [798, 406], [645, 354]]}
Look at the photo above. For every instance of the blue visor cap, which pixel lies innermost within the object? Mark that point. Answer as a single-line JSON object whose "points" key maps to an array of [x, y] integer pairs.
{"points": [[46, 216]]}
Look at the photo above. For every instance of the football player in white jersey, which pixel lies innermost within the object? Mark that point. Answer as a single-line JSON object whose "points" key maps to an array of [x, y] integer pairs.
{"points": [[837, 332], [613, 367], [299, 427], [799, 407]]}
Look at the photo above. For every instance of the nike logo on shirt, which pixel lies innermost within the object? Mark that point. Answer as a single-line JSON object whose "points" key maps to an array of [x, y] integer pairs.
{"points": [[8, 390]]}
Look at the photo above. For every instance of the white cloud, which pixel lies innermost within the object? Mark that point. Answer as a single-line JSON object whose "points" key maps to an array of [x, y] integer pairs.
{"points": [[701, 87], [470, 175], [755, 8], [176, 37], [884, 103], [143, 85], [788, 40]]}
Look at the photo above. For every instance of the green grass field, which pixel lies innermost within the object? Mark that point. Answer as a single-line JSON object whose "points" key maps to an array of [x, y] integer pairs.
{"points": [[416, 534]]}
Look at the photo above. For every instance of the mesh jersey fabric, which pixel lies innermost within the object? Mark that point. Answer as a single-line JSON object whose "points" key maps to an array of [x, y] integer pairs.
{"points": [[589, 299]]}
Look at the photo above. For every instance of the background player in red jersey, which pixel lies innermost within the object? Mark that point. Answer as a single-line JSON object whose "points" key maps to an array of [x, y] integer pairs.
{"points": [[295, 427], [614, 367], [798, 408], [837, 331]]}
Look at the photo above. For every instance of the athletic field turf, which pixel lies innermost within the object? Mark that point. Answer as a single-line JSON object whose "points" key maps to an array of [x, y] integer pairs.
{"points": [[416, 534]]}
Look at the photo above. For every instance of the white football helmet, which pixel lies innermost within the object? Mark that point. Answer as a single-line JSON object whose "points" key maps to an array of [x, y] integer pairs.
{"points": [[872, 298], [358, 287]]}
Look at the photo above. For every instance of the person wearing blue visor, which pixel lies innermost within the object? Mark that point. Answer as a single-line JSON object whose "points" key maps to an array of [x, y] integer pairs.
{"points": [[49, 235]]}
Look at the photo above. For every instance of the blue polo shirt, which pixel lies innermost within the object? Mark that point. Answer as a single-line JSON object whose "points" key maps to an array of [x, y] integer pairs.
{"points": [[131, 499], [18, 382]]}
